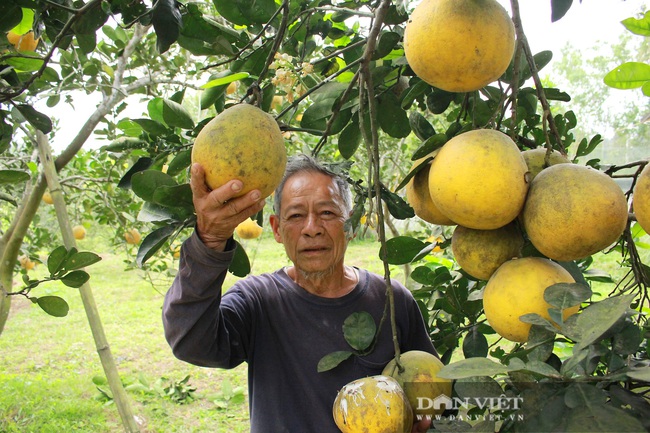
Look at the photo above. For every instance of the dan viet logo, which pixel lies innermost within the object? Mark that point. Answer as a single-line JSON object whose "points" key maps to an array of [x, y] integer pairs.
{"points": [[443, 402]]}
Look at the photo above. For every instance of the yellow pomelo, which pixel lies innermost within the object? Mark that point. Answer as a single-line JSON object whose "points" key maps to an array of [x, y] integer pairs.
{"points": [[517, 288], [641, 199], [26, 263], [459, 45], [25, 42], [419, 197], [242, 142], [47, 197], [374, 404], [79, 232], [536, 160], [573, 211], [132, 236], [424, 389], [248, 229], [478, 179], [481, 252]]}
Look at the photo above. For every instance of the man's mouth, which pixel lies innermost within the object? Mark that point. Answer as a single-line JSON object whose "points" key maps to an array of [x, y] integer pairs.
{"points": [[314, 249]]}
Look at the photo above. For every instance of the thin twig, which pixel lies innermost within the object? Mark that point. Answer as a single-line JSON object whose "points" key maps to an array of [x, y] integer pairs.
{"points": [[539, 88]]}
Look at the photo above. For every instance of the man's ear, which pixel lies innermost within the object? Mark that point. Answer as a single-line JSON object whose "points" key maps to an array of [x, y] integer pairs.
{"points": [[274, 220]]}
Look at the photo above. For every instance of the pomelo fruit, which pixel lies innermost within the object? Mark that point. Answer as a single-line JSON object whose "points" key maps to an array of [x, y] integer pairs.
{"points": [[517, 288], [536, 160], [419, 197], [573, 211], [242, 142], [459, 45], [641, 199], [420, 381], [481, 252], [479, 179], [373, 404]]}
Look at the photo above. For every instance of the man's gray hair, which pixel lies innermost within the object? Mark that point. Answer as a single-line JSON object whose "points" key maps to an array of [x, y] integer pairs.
{"points": [[305, 163]]}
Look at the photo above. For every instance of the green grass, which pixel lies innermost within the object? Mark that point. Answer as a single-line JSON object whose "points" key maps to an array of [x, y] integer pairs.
{"points": [[48, 364]]}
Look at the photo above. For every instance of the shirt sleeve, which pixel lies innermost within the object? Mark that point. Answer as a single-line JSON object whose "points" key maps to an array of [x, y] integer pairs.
{"points": [[196, 327]]}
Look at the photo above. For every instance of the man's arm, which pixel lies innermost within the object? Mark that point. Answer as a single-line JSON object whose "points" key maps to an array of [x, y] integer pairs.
{"points": [[194, 324]]}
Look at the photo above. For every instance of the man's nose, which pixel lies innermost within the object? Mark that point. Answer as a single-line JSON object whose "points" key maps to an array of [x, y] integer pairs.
{"points": [[313, 225]]}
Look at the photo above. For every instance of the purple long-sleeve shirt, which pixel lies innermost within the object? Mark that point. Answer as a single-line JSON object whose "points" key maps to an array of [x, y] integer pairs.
{"points": [[281, 331]]}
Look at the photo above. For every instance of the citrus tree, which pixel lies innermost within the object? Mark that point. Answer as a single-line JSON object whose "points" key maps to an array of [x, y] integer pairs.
{"points": [[370, 86]]}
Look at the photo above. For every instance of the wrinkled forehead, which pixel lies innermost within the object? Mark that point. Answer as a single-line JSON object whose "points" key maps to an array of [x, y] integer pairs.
{"points": [[311, 187]]}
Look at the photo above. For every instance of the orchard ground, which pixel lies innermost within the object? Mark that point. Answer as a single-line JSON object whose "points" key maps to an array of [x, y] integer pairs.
{"points": [[48, 363]]}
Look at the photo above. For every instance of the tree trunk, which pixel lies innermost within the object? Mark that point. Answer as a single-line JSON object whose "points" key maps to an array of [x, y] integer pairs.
{"points": [[101, 343]]}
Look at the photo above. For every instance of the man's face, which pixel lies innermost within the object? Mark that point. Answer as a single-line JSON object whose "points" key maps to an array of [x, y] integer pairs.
{"points": [[311, 223]]}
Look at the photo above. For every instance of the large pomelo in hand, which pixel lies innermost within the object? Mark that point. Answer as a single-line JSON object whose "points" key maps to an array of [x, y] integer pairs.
{"points": [[420, 381], [242, 142], [641, 199], [574, 211], [479, 179], [459, 45], [517, 288], [374, 404]]}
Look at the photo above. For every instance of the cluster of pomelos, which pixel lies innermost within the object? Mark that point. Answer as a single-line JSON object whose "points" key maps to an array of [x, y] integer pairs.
{"points": [[497, 196], [391, 401]]}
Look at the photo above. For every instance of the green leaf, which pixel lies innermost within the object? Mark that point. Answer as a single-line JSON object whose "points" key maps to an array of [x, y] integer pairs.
{"points": [[472, 367], [359, 330], [414, 170], [475, 345], [432, 144], [629, 75], [240, 265], [392, 117], [153, 242], [24, 64], [151, 127], [413, 92], [222, 81], [439, 100], [566, 295], [421, 126], [77, 260], [627, 340], [174, 196], [332, 360], [396, 205], [175, 115], [75, 279], [638, 26], [478, 387], [144, 183], [37, 119], [350, 139], [140, 165], [559, 8], [10, 16], [401, 250], [56, 259], [53, 305], [180, 162], [13, 176], [596, 319], [385, 44], [603, 418], [167, 22], [536, 319], [642, 374]]}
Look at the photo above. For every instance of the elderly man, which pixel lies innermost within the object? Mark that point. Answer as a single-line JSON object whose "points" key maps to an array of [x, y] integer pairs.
{"points": [[284, 322]]}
